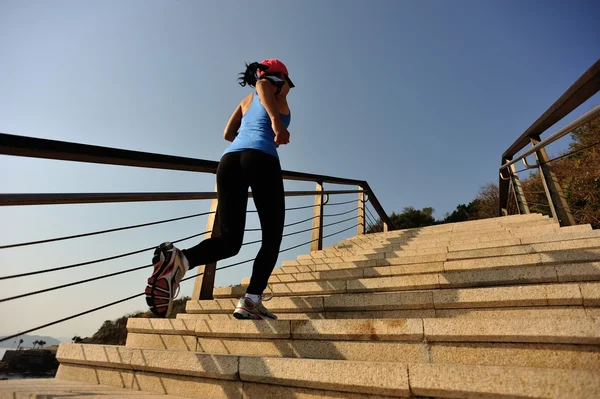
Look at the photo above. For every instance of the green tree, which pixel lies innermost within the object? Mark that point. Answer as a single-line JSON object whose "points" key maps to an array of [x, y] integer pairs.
{"points": [[76, 339], [407, 219]]}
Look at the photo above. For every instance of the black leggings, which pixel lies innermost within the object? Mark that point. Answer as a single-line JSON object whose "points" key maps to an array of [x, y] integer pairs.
{"points": [[236, 172]]}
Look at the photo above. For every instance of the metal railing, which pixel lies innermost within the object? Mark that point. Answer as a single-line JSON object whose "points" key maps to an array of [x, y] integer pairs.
{"points": [[205, 274], [583, 89]]}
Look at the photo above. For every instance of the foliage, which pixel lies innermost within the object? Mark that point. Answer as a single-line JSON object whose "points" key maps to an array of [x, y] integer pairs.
{"points": [[407, 219], [114, 332]]}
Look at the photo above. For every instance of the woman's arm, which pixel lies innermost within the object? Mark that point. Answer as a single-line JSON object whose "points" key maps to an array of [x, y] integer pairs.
{"points": [[233, 125], [266, 94]]}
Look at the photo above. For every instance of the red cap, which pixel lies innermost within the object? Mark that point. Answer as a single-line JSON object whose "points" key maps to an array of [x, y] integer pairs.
{"points": [[275, 66]]}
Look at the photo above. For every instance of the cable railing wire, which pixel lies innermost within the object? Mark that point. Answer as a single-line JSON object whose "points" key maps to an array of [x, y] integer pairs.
{"points": [[140, 294], [70, 317], [373, 226], [370, 213], [54, 269], [572, 152], [342, 213], [104, 231], [562, 156], [287, 225], [378, 228], [57, 287], [340, 203], [22, 244], [140, 268]]}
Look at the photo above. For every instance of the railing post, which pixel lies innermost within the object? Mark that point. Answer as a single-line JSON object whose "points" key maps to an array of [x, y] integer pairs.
{"points": [[503, 191], [556, 198], [317, 232], [205, 274], [362, 226], [518, 190]]}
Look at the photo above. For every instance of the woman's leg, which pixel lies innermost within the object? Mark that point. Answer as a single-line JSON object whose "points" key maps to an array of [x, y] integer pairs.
{"points": [[263, 173], [232, 192]]}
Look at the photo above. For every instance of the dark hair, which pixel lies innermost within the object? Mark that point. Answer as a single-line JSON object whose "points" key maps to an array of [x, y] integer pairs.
{"points": [[250, 76]]}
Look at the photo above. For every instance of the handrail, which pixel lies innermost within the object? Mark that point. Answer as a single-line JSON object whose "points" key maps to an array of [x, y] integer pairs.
{"points": [[89, 198], [584, 88], [582, 120], [69, 151], [579, 92]]}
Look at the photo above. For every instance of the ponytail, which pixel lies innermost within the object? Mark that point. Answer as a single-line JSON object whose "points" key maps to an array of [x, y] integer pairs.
{"points": [[250, 76]]}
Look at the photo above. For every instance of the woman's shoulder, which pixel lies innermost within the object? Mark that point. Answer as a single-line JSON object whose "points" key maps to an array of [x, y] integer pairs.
{"points": [[246, 102]]}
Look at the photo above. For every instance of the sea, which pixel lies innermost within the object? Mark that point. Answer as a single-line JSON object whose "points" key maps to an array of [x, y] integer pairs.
{"points": [[4, 376]]}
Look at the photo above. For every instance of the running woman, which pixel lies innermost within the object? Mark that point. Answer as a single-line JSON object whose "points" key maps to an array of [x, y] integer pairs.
{"points": [[257, 127]]}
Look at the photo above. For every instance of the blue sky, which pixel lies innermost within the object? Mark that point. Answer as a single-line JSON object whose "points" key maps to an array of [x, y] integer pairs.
{"points": [[418, 98]]}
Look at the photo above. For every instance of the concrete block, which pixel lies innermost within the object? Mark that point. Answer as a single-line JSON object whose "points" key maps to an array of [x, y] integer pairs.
{"points": [[452, 380], [96, 375], [162, 341], [508, 275], [310, 287], [510, 312], [578, 255], [590, 293], [160, 326], [489, 252], [585, 243], [347, 376], [187, 386], [375, 330], [394, 283], [490, 244], [243, 328], [493, 262], [578, 271], [100, 355], [490, 297], [538, 330], [433, 267], [556, 356], [381, 314], [561, 235], [186, 363], [388, 301], [246, 347]]}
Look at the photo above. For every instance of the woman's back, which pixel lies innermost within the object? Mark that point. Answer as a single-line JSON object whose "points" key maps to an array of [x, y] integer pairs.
{"points": [[255, 130]]}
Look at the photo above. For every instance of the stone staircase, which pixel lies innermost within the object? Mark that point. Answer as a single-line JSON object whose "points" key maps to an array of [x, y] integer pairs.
{"points": [[505, 307]]}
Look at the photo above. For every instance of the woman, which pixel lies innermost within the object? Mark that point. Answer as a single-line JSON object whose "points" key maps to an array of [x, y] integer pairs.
{"points": [[256, 128]]}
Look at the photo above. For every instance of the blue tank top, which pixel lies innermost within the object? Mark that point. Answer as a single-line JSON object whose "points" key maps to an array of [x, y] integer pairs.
{"points": [[255, 132]]}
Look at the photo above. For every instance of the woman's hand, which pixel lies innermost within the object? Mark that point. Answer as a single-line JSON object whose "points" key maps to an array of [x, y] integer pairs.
{"points": [[282, 136]]}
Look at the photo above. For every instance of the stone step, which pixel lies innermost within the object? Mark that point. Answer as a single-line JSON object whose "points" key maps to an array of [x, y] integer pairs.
{"points": [[565, 272], [565, 234], [478, 235], [466, 313], [45, 388], [566, 330], [591, 240], [393, 279], [370, 241], [513, 220], [203, 375], [563, 294], [572, 341], [554, 254]]}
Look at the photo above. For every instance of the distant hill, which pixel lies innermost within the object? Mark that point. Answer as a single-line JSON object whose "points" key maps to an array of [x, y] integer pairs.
{"points": [[28, 341]]}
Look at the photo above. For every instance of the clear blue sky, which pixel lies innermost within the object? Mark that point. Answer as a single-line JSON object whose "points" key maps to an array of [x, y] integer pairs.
{"points": [[419, 98]]}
